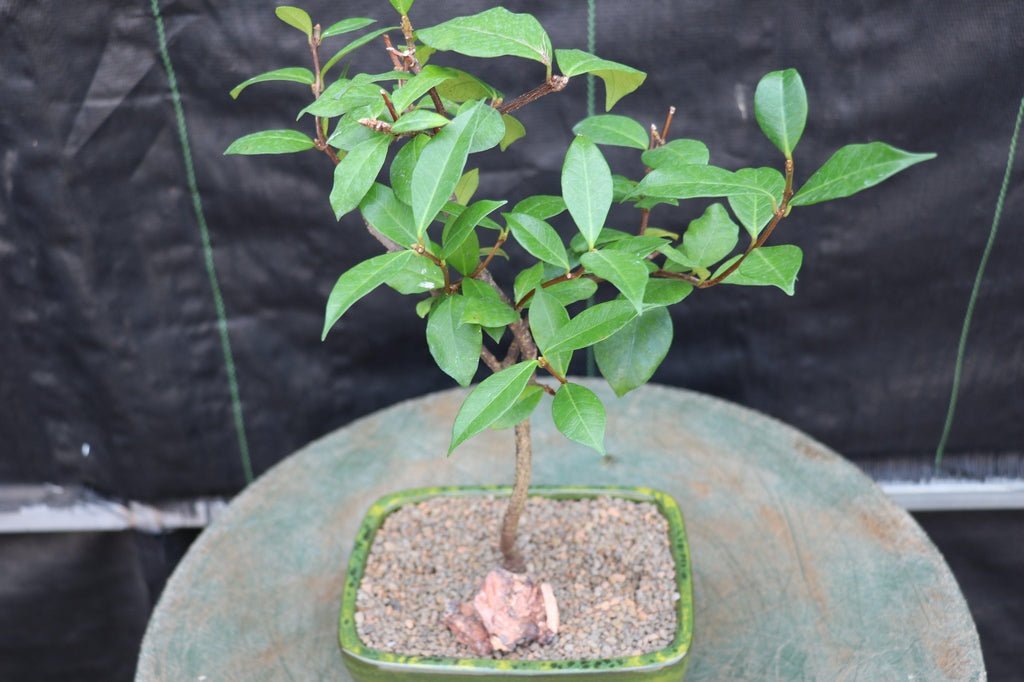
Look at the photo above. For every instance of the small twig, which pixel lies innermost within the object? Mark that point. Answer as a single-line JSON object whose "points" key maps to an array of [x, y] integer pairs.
{"points": [[684, 276], [490, 256], [318, 88], [492, 362], [391, 107], [436, 98], [645, 216], [668, 124], [393, 53], [553, 84], [543, 363], [574, 274], [547, 389]]}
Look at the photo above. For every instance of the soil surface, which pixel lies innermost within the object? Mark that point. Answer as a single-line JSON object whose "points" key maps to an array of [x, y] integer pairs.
{"points": [[608, 560]]}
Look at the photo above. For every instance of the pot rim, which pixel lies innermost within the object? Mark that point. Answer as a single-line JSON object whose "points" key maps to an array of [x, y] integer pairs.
{"points": [[671, 655]]}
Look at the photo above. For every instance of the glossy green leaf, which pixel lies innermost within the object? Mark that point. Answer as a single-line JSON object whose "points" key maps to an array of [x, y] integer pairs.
{"points": [[496, 333], [361, 280], [708, 239], [527, 280], [490, 128], [296, 18], [587, 187], [659, 232], [547, 317], [462, 87], [440, 166], [488, 402], [607, 236], [355, 175], [420, 119], [493, 33], [522, 409], [420, 276], [593, 325], [768, 266], [346, 26], [456, 231], [690, 182], [629, 358], [538, 238], [424, 307], [353, 46], [676, 153], [619, 79], [271, 142], [294, 74], [344, 96], [382, 209], [625, 271], [573, 290], [755, 210], [467, 186], [466, 256], [349, 133], [541, 206], [419, 85], [622, 187], [514, 130], [402, 167], [486, 311], [853, 168], [402, 6], [579, 415], [613, 130], [454, 346], [638, 245], [780, 107], [665, 292]]}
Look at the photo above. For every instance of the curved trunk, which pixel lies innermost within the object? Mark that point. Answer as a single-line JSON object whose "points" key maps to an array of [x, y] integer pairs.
{"points": [[513, 558]]}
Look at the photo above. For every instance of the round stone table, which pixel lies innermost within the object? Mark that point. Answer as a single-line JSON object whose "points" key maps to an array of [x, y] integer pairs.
{"points": [[803, 569]]}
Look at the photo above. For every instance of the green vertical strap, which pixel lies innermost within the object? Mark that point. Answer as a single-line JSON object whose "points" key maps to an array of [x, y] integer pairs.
{"points": [[591, 48], [940, 451], [204, 234]]}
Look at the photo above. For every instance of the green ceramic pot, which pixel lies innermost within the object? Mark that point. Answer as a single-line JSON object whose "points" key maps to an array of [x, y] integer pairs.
{"points": [[371, 665]]}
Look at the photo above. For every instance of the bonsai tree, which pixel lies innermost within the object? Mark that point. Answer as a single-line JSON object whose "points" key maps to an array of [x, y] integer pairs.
{"points": [[400, 142]]}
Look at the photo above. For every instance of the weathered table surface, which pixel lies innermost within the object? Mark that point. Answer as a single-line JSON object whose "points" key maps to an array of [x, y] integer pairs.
{"points": [[803, 569]]}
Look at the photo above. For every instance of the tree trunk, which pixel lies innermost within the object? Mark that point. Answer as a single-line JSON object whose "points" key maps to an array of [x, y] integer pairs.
{"points": [[517, 502]]}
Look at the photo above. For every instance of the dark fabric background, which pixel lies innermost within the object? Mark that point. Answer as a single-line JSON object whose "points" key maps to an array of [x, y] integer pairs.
{"points": [[107, 323]]}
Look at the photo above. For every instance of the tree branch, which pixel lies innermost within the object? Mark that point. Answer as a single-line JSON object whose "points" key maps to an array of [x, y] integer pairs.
{"points": [[553, 84]]}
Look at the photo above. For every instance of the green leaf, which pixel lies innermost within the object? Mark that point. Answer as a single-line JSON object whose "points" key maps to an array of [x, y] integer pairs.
{"points": [[354, 176], [629, 358], [708, 239], [622, 187], [694, 181], [638, 245], [484, 307], [496, 395], [547, 317], [424, 307], [466, 257], [418, 277], [608, 235], [658, 232], [514, 130], [456, 231], [420, 119], [349, 133], [467, 186], [490, 128], [419, 85], [676, 153], [665, 292], [538, 238], [619, 79], [295, 17], [295, 74], [593, 325], [493, 33], [527, 280], [755, 210], [454, 346], [271, 142], [625, 271], [541, 206], [462, 87], [587, 187], [382, 209], [440, 166], [353, 46], [613, 130], [579, 415], [853, 168], [402, 168], [346, 26], [767, 266], [361, 280], [522, 409], [344, 96], [573, 290], [780, 106], [495, 333], [402, 6]]}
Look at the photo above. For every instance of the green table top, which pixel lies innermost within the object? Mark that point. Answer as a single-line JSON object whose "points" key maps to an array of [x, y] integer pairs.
{"points": [[803, 568]]}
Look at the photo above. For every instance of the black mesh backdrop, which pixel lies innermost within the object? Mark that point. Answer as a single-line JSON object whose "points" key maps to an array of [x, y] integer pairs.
{"points": [[108, 326]]}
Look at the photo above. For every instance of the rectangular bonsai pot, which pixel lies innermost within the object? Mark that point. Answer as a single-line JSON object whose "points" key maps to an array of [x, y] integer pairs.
{"points": [[371, 665]]}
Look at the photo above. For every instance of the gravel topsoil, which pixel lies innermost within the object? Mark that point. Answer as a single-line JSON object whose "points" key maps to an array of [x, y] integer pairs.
{"points": [[608, 560]]}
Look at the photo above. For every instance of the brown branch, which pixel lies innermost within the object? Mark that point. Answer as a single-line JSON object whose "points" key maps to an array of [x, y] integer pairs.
{"points": [[512, 356], [391, 107], [553, 84], [517, 502], [543, 363], [490, 256], [668, 124], [492, 362], [684, 276], [393, 53], [575, 274], [780, 213], [318, 89]]}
